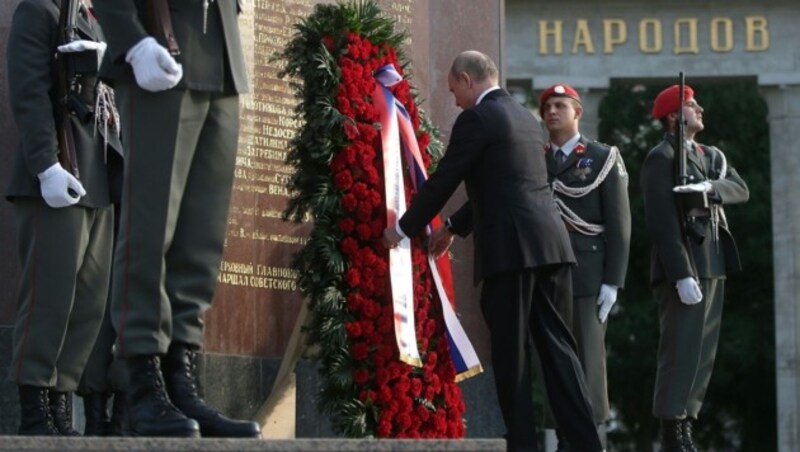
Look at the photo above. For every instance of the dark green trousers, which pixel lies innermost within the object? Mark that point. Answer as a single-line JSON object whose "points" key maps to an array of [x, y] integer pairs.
{"points": [[686, 349], [66, 262], [180, 153], [590, 338]]}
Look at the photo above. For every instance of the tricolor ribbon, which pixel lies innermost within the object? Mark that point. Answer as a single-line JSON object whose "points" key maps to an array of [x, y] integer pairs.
{"points": [[398, 138]]}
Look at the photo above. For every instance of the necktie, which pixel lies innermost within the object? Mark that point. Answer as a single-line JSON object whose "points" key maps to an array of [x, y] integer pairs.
{"points": [[560, 156]]}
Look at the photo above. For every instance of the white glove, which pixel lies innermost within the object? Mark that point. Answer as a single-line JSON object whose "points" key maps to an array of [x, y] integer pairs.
{"points": [[689, 291], [700, 187], [153, 66], [606, 300], [55, 183], [83, 45]]}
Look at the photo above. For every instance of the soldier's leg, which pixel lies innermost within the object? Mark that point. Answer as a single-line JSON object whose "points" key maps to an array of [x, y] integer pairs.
{"points": [[679, 347], [50, 249], [193, 262], [158, 130], [590, 337], [194, 258]]}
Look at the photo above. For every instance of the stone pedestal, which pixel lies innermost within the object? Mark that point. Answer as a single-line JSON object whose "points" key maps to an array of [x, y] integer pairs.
{"points": [[784, 127]]}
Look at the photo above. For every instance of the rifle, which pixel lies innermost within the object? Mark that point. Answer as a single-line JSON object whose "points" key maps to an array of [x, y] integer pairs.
{"points": [[681, 175], [67, 83], [159, 25]]}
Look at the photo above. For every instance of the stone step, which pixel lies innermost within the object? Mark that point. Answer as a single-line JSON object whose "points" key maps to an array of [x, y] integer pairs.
{"points": [[41, 443]]}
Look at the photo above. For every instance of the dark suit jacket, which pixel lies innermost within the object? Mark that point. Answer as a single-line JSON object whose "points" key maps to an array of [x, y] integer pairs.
{"points": [[212, 61], [602, 259], [32, 80], [496, 149], [669, 257]]}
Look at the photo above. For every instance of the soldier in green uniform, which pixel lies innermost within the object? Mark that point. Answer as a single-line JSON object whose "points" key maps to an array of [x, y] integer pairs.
{"points": [[64, 223], [180, 116], [689, 263], [591, 187]]}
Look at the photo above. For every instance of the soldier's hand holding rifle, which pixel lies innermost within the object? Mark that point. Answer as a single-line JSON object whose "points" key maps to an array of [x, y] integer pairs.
{"points": [[56, 184], [154, 68]]}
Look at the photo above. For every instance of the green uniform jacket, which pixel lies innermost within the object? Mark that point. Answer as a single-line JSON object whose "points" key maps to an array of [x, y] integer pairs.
{"points": [[32, 82], [669, 257], [603, 258], [203, 56]]}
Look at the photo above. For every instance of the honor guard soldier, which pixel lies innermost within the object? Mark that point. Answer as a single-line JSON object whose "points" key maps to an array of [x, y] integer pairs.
{"points": [[693, 251], [68, 160], [179, 70], [591, 187]]}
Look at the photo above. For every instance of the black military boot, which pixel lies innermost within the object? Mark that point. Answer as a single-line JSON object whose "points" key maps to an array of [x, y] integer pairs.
{"points": [[563, 444], [119, 415], [35, 417], [61, 409], [180, 374], [672, 435], [688, 440], [150, 412], [95, 408]]}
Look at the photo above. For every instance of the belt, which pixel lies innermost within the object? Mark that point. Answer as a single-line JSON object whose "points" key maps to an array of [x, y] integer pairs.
{"points": [[699, 212]]}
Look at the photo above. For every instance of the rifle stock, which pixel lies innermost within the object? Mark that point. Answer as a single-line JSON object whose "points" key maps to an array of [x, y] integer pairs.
{"points": [[65, 68]]}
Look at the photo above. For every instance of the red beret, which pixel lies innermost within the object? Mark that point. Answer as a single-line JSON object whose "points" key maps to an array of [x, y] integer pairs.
{"points": [[668, 100], [558, 90]]}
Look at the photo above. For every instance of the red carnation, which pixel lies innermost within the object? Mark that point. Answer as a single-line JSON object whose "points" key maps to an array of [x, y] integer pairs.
{"points": [[349, 202], [352, 277], [343, 180], [328, 41], [360, 376], [360, 351]]}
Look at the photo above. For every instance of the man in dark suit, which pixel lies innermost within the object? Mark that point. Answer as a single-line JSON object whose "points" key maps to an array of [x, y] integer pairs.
{"points": [[688, 265], [64, 224], [591, 185], [180, 116], [522, 251]]}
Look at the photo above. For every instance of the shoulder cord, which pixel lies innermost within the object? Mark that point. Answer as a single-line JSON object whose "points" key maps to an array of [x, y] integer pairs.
{"points": [[105, 114], [570, 217]]}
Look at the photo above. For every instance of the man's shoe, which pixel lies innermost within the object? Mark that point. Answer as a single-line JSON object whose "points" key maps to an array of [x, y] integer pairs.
{"points": [[672, 435], [61, 409], [688, 440], [95, 408], [150, 411], [35, 417], [118, 426], [180, 374]]}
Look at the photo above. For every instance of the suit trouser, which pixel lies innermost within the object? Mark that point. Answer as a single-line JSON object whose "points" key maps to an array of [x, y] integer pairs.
{"points": [[590, 342], [519, 308], [66, 262], [686, 349], [180, 153]]}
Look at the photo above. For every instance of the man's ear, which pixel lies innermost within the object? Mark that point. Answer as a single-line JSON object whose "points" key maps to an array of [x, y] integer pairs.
{"points": [[578, 112], [464, 77]]}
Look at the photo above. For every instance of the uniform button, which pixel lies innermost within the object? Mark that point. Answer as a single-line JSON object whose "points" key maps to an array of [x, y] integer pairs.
{"points": [[594, 247], [691, 177]]}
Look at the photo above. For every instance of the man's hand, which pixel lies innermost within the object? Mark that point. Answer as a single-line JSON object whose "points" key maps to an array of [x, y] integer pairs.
{"points": [[153, 66], [606, 300], [700, 187], [441, 240], [56, 183], [391, 238], [84, 45], [689, 291]]}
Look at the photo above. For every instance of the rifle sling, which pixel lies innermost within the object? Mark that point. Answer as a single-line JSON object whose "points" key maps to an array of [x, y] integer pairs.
{"points": [[161, 25]]}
